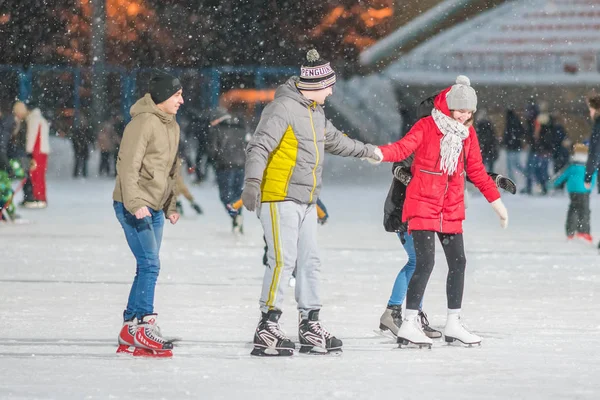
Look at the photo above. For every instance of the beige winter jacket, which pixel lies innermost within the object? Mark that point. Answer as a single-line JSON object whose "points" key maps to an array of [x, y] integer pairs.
{"points": [[147, 161]]}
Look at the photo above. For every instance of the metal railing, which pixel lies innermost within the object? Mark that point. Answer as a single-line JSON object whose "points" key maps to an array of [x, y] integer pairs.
{"points": [[208, 83]]}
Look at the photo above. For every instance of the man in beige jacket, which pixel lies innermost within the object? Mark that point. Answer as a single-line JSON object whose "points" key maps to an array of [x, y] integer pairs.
{"points": [[145, 193]]}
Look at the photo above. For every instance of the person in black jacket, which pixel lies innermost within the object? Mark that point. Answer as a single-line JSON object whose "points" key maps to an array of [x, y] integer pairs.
{"points": [[488, 142], [514, 133], [593, 161], [542, 146], [391, 319], [560, 144], [228, 138]]}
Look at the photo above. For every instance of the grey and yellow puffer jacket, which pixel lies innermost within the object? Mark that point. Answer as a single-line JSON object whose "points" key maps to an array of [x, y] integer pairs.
{"points": [[287, 150]]}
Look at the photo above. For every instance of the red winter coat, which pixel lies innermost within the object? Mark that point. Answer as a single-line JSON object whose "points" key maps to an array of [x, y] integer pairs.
{"points": [[435, 200]]}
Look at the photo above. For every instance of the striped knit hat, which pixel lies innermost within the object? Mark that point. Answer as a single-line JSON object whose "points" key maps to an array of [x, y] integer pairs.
{"points": [[316, 74]]}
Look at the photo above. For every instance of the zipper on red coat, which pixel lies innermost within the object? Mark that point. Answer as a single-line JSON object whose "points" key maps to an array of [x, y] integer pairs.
{"points": [[442, 213]]}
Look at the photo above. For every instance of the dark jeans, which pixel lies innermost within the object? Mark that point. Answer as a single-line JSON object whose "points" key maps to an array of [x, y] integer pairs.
{"points": [[537, 168], [489, 164], [144, 237], [424, 242], [105, 162], [231, 183], [82, 154], [578, 216]]}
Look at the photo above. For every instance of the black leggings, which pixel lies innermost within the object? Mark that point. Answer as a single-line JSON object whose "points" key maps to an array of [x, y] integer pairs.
{"points": [[425, 251]]}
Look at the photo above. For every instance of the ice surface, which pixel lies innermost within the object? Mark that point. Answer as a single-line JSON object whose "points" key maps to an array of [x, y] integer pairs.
{"points": [[64, 280]]}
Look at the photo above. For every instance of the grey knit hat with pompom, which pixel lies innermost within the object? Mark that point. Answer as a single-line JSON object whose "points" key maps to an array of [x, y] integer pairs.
{"points": [[315, 73], [462, 96]]}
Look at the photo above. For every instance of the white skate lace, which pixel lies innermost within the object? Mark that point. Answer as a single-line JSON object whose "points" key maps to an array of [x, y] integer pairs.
{"points": [[463, 325], [153, 332], [317, 328], [275, 329], [419, 324]]}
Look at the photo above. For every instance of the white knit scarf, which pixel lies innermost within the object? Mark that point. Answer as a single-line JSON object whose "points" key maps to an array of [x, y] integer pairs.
{"points": [[452, 143]]}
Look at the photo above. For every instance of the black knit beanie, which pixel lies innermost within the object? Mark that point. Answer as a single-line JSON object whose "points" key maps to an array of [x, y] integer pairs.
{"points": [[316, 73], [163, 86]]}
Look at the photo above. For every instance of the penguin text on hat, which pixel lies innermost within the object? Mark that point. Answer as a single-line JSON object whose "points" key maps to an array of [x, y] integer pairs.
{"points": [[316, 73]]}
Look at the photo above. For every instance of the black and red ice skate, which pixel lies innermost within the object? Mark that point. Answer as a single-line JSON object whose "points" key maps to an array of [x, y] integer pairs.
{"points": [[148, 340]]}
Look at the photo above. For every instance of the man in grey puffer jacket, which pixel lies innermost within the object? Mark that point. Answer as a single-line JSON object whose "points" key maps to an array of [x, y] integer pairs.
{"points": [[284, 163]]}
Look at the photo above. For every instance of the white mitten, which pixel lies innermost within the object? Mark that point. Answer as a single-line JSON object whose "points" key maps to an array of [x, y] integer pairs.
{"points": [[378, 157], [498, 206]]}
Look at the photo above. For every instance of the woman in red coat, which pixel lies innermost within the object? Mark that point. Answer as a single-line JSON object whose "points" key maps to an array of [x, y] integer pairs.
{"points": [[445, 147]]}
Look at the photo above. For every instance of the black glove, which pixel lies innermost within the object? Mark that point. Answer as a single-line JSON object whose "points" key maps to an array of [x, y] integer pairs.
{"points": [[403, 175], [504, 183], [196, 207]]}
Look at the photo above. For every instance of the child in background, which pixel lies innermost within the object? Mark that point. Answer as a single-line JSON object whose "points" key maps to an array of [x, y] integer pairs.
{"points": [[578, 216], [9, 171]]}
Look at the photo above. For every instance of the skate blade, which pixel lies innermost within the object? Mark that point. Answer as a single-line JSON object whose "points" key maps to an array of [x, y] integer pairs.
{"points": [[272, 352], [320, 351], [407, 344], [386, 333], [172, 339], [140, 352], [433, 335], [124, 349], [457, 342]]}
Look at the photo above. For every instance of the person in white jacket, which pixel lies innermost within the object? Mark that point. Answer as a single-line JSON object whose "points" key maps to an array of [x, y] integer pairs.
{"points": [[37, 146]]}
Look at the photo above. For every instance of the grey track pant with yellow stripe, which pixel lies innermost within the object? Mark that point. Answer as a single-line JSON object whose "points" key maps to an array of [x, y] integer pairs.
{"points": [[291, 234]]}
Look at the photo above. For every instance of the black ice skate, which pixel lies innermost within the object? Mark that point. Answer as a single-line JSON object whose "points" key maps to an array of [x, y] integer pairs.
{"points": [[314, 339], [196, 207], [269, 339], [237, 224], [428, 330]]}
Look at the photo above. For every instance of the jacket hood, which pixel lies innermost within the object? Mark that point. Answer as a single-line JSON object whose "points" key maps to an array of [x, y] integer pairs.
{"points": [[290, 90], [146, 105], [440, 101], [35, 113], [579, 158]]}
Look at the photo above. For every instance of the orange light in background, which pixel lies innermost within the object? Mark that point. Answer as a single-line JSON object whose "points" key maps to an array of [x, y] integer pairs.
{"points": [[366, 17], [133, 9], [248, 97], [4, 18], [375, 16], [117, 8], [328, 20]]}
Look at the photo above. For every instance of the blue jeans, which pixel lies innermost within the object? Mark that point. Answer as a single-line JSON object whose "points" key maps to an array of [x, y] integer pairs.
{"points": [[231, 183], [403, 278], [513, 163], [144, 237], [538, 170]]}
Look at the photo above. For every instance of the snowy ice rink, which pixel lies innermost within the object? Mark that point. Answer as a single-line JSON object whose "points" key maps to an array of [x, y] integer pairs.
{"points": [[64, 279]]}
